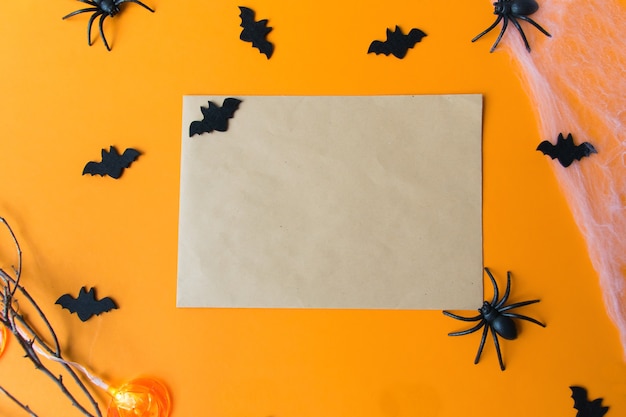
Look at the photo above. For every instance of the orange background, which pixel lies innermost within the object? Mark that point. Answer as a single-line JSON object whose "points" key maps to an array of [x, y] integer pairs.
{"points": [[63, 101]]}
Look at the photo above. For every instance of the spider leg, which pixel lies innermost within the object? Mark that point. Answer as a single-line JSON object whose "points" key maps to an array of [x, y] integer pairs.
{"points": [[91, 19], [535, 24], [104, 39], [90, 9], [454, 316], [515, 305], [507, 291], [482, 345], [522, 317], [504, 26], [495, 287], [484, 32], [495, 342], [468, 331], [136, 2], [93, 3], [521, 32]]}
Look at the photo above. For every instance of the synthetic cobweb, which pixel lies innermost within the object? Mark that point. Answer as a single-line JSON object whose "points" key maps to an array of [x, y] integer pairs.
{"points": [[577, 83]]}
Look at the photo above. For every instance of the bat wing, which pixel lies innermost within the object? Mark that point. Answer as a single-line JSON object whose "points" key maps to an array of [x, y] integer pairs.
{"points": [[585, 407], [261, 43], [379, 47], [548, 148], [129, 156], [68, 302], [255, 32], [104, 305], [584, 149], [95, 168], [579, 394], [247, 18], [197, 128], [229, 107], [415, 36]]}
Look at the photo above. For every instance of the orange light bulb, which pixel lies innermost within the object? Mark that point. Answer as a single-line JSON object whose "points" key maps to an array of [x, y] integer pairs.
{"points": [[142, 397]]}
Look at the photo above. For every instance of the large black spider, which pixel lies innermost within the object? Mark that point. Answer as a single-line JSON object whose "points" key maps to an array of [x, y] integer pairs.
{"points": [[511, 10], [104, 9], [494, 316]]}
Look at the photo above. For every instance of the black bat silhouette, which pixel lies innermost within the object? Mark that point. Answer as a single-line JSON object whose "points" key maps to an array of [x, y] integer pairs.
{"points": [[86, 305], [112, 164], [215, 117], [397, 42], [255, 32], [585, 407], [565, 150]]}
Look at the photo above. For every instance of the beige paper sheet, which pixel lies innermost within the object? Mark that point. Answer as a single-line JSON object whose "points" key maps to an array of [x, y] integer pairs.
{"points": [[369, 202]]}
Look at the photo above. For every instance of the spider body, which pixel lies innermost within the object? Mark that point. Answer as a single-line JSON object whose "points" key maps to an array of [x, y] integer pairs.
{"points": [[510, 11], [516, 7], [503, 325], [495, 316], [108, 6], [104, 9]]}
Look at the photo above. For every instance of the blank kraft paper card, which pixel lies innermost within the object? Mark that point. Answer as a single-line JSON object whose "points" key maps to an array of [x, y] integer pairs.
{"points": [[368, 202]]}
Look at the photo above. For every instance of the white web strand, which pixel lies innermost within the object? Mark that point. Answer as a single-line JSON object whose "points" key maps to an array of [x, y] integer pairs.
{"points": [[576, 81], [94, 379]]}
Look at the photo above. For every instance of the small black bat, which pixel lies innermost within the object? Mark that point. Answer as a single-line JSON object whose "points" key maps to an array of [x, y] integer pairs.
{"points": [[255, 32], [585, 407], [112, 164], [565, 150], [397, 43], [215, 117], [86, 305]]}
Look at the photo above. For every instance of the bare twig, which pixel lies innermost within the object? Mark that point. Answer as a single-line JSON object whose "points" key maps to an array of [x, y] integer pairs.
{"points": [[18, 402], [30, 340], [17, 270], [9, 280]]}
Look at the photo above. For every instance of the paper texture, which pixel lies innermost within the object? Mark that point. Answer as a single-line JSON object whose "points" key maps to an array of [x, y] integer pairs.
{"points": [[333, 202]]}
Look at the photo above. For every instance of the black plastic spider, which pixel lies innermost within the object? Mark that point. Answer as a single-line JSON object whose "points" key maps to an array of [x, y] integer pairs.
{"points": [[493, 315], [511, 10], [104, 9]]}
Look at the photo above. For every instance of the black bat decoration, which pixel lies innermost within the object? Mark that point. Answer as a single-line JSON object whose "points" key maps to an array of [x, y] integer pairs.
{"points": [[565, 150], [585, 407], [112, 164], [215, 117], [255, 32], [86, 305], [397, 42]]}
